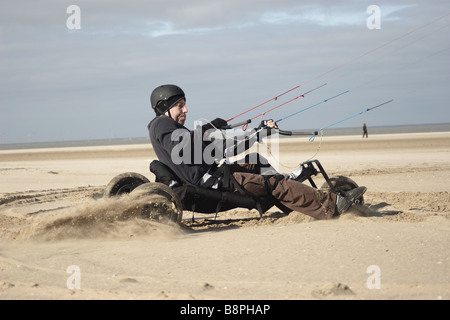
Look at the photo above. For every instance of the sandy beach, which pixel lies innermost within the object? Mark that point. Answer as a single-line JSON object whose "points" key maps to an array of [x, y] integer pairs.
{"points": [[54, 220]]}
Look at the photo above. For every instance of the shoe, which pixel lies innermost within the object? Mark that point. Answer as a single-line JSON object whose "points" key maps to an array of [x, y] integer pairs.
{"points": [[347, 198]]}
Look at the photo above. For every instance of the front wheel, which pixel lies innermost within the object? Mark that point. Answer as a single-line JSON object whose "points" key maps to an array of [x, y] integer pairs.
{"points": [[341, 183]]}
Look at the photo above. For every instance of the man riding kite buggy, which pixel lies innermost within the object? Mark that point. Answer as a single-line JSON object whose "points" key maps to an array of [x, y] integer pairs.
{"points": [[169, 104]]}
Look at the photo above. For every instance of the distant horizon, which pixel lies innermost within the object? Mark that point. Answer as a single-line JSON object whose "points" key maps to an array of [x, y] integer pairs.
{"points": [[341, 131]]}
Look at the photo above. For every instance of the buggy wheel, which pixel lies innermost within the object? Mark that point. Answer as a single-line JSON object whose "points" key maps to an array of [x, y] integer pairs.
{"points": [[159, 191], [124, 183], [341, 183]]}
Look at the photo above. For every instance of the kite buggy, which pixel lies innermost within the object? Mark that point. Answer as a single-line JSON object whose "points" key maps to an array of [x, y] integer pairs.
{"points": [[186, 196]]}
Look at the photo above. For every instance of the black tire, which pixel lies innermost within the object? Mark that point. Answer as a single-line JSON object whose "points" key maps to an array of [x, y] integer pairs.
{"points": [[156, 188], [341, 183], [124, 183]]}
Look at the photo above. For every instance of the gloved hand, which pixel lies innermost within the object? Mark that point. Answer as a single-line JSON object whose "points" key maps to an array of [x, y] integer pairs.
{"points": [[216, 123], [268, 124]]}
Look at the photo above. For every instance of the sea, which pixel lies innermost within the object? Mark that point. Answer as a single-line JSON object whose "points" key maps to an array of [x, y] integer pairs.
{"points": [[418, 128]]}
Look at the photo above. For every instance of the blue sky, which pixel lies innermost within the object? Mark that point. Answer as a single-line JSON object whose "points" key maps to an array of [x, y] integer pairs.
{"points": [[228, 56]]}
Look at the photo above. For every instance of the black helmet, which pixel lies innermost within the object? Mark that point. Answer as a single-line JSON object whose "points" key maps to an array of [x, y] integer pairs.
{"points": [[164, 97]]}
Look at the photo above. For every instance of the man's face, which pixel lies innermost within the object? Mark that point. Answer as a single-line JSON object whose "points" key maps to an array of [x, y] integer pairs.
{"points": [[178, 112]]}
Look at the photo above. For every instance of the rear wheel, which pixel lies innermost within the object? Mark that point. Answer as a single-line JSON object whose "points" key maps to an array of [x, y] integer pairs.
{"points": [[124, 183], [149, 194], [341, 183]]}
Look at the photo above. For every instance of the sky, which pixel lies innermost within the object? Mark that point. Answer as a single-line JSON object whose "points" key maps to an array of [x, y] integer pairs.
{"points": [[64, 78]]}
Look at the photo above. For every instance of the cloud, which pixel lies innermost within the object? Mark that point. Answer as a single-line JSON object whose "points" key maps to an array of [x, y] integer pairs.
{"points": [[200, 17], [329, 15]]}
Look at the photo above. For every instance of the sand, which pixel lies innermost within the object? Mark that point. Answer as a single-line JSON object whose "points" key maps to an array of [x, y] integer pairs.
{"points": [[59, 239]]}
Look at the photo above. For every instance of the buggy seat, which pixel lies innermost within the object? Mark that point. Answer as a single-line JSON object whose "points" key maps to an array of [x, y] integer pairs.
{"points": [[206, 200]]}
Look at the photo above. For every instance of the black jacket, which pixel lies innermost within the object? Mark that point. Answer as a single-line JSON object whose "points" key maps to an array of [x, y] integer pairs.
{"points": [[183, 150], [172, 143]]}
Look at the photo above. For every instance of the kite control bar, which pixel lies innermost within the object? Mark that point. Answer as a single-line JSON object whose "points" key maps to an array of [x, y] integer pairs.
{"points": [[295, 133]]}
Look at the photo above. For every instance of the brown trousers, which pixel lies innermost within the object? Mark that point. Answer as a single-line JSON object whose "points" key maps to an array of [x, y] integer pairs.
{"points": [[294, 195]]}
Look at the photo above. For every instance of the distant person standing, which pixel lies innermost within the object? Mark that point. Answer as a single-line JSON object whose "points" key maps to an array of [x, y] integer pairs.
{"points": [[365, 134]]}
